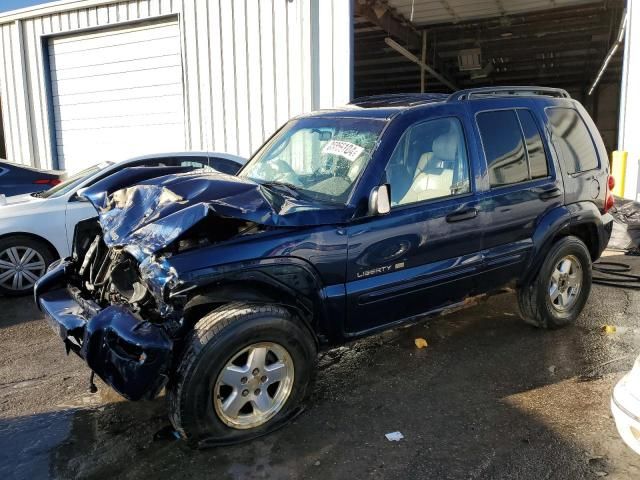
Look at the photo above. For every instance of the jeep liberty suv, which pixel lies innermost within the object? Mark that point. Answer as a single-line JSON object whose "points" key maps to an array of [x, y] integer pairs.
{"points": [[222, 288]]}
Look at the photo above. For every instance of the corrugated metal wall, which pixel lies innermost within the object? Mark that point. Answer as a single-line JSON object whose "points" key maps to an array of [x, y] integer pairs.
{"points": [[248, 65]]}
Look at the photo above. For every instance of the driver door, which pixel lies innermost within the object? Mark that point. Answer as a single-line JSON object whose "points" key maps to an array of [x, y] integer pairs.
{"points": [[423, 255]]}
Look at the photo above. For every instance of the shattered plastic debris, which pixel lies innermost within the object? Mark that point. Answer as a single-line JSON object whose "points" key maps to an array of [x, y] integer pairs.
{"points": [[608, 329], [394, 436], [421, 343]]}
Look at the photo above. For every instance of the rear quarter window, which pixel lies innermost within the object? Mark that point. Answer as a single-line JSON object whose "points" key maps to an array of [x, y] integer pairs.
{"points": [[572, 140]]}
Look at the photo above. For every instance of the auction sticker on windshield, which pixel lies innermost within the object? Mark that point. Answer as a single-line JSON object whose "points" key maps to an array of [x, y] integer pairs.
{"points": [[348, 150]]}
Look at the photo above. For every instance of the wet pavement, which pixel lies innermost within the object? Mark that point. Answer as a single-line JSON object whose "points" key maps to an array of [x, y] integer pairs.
{"points": [[490, 397]]}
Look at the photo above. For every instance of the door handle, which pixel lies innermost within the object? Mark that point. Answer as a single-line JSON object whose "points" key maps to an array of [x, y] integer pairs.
{"points": [[548, 194], [464, 214]]}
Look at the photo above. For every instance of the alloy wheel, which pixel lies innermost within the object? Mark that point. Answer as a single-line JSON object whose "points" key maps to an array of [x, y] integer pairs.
{"points": [[565, 283], [254, 385], [20, 268]]}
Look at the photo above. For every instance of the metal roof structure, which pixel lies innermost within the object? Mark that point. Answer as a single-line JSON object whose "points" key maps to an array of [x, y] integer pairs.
{"points": [[432, 12], [559, 43]]}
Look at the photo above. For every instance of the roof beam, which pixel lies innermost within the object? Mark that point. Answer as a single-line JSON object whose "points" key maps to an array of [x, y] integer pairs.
{"points": [[380, 14]]}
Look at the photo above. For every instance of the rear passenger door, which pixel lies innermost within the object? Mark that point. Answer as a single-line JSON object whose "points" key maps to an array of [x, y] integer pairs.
{"points": [[520, 186]]}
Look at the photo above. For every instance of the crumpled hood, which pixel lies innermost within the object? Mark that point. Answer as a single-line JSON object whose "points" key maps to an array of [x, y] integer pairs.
{"points": [[154, 212]]}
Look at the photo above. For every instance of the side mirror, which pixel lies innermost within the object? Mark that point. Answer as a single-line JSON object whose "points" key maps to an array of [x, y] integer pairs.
{"points": [[79, 195], [380, 200]]}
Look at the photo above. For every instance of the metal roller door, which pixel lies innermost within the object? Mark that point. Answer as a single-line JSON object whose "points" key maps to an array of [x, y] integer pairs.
{"points": [[116, 94]]}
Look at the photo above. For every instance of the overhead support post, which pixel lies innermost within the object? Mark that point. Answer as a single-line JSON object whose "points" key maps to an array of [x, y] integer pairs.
{"points": [[403, 51]]}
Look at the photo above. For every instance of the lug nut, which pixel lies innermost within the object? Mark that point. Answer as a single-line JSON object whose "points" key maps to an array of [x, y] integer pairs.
{"points": [[263, 378], [245, 393], [257, 392], [243, 380], [255, 371]]}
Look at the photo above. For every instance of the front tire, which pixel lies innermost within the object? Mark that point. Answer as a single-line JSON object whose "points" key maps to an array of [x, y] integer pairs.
{"points": [[243, 372], [556, 296]]}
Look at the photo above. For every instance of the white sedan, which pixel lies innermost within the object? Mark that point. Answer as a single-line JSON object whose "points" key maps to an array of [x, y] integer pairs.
{"points": [[36, 229], [625, 406]]}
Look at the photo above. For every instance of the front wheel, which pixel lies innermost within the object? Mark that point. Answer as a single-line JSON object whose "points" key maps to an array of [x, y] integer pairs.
{"points": [[557, 295], [23, 260], [244, 371]]}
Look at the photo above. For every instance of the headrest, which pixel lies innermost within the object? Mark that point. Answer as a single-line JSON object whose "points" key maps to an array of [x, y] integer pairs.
{"points": [[445, 147]]}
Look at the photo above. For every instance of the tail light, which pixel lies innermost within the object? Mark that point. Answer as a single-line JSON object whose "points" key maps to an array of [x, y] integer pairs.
{"points": [[609, 200], [47, 181]]}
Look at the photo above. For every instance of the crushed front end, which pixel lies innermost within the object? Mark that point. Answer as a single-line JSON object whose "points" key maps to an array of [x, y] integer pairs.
{"points": [[118, 301], [110, 302], [104, 312]]}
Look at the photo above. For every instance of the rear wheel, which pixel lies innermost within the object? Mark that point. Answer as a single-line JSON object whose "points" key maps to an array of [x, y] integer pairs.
{"points": [[557, 295], [244, 371], [23, 260]]}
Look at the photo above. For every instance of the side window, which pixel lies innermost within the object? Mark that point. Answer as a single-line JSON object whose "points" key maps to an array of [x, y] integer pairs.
{"points": [[430, 161], [535, 148], [503, 147], [571, 138]]}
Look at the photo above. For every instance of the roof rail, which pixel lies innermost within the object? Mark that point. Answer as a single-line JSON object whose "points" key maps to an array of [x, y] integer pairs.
{"points": [[468, 94]]}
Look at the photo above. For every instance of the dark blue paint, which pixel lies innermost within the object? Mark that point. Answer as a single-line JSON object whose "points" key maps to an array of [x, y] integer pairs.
{"points": [[17, 179], [347, 273]]}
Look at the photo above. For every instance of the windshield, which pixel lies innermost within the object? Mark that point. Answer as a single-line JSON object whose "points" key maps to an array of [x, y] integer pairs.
{"points": [[72, 181], [319, 157]]}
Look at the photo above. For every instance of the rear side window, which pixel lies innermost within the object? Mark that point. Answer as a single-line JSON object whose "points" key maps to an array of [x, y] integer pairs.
{"points": [[503, 147], [572, 140], [535, 148]]}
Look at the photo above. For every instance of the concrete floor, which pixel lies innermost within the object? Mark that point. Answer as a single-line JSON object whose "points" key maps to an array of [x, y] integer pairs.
{"points": [[490, 397]]}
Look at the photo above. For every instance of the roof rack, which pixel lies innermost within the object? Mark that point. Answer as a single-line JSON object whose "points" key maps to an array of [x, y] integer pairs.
{"points": [[468, 94], [398, 100]]}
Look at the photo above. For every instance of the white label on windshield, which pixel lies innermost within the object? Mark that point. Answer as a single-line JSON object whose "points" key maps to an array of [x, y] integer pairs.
{"points": [[348, 150]]}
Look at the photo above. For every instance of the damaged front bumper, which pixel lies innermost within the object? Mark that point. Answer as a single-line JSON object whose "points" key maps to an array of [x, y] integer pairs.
{"points": [[131, 355]]}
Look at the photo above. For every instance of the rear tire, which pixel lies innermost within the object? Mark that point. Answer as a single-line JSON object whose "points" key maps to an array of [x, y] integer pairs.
{"points": [[23, 260], [224, 347], [556, 296]]}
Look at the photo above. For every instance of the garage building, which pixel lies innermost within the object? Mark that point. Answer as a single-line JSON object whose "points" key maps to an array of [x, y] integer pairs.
{"points": [[83, 81], [89, 80]]}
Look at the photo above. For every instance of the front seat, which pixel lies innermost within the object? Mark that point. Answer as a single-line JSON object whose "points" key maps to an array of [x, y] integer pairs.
{"points": [[435, 171]]}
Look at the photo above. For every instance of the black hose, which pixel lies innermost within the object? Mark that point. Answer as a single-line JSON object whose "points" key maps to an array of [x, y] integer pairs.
{"points": [[617, 275]]}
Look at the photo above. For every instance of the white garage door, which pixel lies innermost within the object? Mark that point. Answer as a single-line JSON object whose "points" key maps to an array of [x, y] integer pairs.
{"points": [[117, 94]]}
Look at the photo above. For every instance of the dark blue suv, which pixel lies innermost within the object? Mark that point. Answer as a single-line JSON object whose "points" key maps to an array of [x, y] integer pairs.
{"points": [[346, 222]]}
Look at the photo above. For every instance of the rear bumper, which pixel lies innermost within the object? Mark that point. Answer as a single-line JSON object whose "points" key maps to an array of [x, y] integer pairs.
{"points": [[131, 355], [605, 231]]}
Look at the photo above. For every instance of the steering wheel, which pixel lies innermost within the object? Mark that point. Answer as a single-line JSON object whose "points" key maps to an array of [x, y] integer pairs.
{"points": [[334, 166], [278, 170]]}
